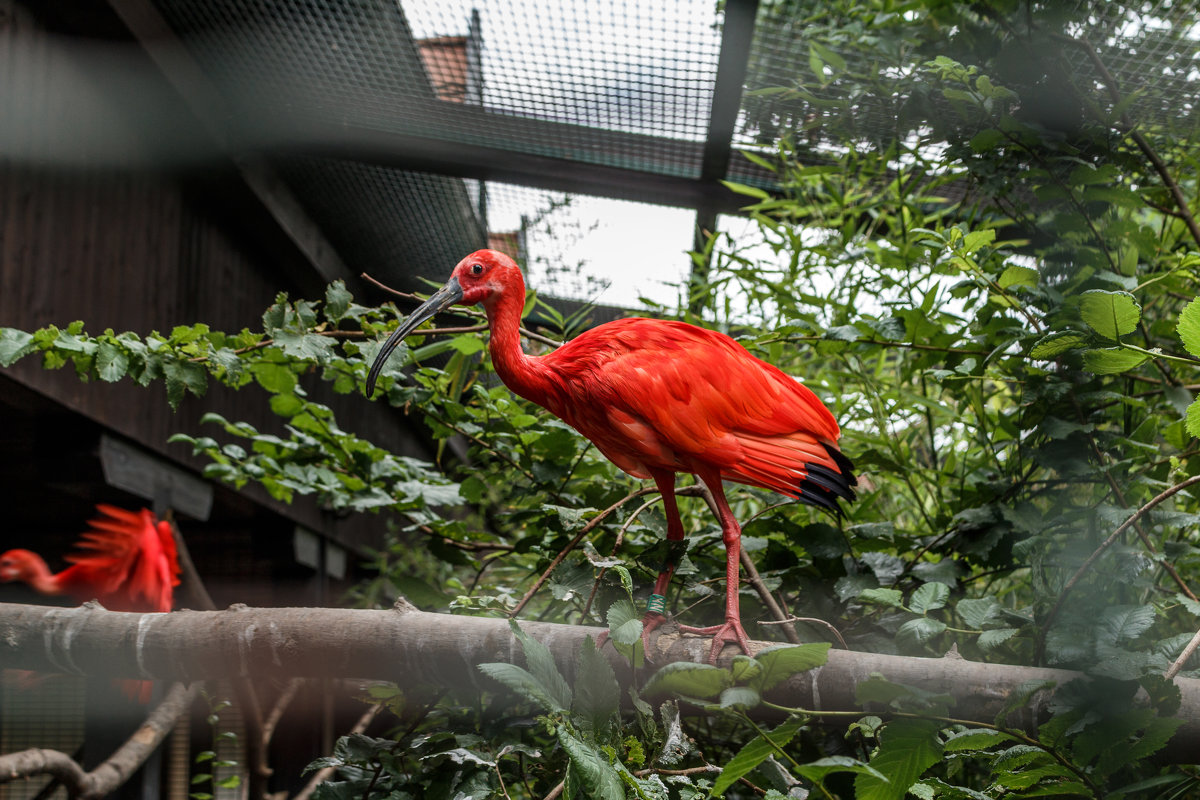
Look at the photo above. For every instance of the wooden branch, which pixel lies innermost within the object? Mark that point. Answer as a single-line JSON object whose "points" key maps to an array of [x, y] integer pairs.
{"points": [[326, 773], [414, 647], [115, 771]]}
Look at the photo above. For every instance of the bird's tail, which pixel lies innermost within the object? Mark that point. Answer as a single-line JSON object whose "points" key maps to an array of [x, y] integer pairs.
{"points": [[800, 466]]}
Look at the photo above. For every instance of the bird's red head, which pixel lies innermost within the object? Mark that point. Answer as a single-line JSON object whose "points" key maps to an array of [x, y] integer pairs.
{"points": [[18, 565], [482, 277], [485, 275]]}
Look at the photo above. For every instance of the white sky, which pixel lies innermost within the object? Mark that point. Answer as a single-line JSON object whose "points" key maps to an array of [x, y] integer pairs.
{"points": [[619, 64]]}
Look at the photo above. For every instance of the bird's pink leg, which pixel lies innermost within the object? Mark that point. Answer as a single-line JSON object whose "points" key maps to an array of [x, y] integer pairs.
{"points": [[665, 481], [731, 631]]}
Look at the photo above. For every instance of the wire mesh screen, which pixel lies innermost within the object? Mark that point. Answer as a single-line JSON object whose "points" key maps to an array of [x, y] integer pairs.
{"points": [[621, 84], [388, 116]]}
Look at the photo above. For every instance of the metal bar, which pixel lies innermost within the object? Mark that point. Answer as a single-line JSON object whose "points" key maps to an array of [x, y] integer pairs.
{"points": [[736, 38]]}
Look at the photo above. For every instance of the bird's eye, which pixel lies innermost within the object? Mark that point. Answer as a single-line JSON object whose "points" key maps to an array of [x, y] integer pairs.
{"points": [[477, 269]]}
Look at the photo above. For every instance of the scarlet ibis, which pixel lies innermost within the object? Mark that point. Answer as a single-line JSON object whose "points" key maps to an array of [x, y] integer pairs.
{"points": [[126, 560], [659, 397]]}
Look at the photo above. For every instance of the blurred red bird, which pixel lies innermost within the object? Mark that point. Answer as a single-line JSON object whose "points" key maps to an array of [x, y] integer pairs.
{"points": [[659, 397], [126, 560]]}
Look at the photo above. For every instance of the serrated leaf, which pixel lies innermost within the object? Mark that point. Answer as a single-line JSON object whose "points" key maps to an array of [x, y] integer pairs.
{"points": [[907, 747], [929, 597], [1015, 275], [1189, 327], [1110, 314], [1193, 418], [1118, 623], [996, 637], [817, 771], [111, 362], [697, 680], [1055, 344], [540, 662], [975, 739], [597, 693], [523, 683], [597, 775], [624, 623], [337, 300], [754, 753], [14, 344], [976, 611], [919, 631], [1112, 360], [781, 662]]}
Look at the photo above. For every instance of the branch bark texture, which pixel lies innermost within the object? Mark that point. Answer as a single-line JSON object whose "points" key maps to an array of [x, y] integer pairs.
{"points": [[413, 647]]}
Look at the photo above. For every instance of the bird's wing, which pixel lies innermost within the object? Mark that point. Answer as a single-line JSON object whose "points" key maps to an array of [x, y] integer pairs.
{"points": [[126, 561], [673, 396]]}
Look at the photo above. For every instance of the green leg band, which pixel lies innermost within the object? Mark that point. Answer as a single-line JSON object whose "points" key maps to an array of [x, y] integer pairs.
{"points": [[657, 604]]}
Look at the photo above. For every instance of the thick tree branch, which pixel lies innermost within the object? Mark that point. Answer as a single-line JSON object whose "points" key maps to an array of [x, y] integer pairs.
{"points": [[415, 647], [115, 771]]}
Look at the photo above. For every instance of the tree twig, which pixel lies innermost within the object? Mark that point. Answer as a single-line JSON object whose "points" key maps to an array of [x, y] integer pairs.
{"points": [[1124, 526], [118, 767], [325, 773], [469, 312], [1160, 166]]}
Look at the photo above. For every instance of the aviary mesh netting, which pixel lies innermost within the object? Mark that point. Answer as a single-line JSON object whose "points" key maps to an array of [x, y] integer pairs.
{"points": [[391, 119]]}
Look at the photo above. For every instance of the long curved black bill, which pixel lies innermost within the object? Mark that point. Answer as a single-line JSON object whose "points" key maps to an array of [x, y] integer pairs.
{"points": [[440, 300]]}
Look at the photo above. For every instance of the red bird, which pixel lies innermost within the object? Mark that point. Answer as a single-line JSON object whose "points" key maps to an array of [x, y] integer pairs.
{"points": [[659, 397], [126, 560]]}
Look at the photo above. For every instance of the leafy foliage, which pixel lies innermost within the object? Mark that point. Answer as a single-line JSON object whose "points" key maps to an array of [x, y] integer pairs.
{"points": [[999, 304]]}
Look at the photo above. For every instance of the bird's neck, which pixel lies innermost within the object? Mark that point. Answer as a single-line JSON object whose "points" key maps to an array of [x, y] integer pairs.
{"points": [[41, 579], [525, 375]]}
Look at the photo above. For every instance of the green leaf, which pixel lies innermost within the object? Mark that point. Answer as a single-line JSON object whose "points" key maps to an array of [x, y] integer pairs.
{"points": [[184, 376], [624, 623], [884, 597], [14, 344], [976, 611], [1112, 360], [541, 665], [1110, 314], [597, 693], [817, 771], [919, 631], [783, 661], [740, 697], [929, 597], [1189, 327], [754, 753], [523, 683], [1118, 623], [750, 191], [975, 739], [597, 775], [337, 300], [111, 362], [696, 680], [1193, 418], [277, 378], [1014, 275], [907, 747], [286, 405], [1055, 344]]}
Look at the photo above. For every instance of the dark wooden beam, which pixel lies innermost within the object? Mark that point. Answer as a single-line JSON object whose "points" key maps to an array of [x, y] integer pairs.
{"points": [[208, 106]]}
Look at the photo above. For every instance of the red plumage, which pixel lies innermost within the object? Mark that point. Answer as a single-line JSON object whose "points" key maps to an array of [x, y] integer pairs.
{"points": [[659, 397], [126, 560]]}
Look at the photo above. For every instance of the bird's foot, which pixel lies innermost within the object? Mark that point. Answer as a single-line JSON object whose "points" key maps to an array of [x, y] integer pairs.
{"points": [[731, 632]]}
